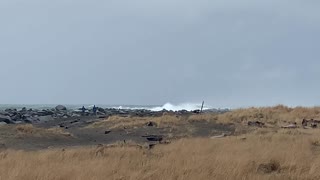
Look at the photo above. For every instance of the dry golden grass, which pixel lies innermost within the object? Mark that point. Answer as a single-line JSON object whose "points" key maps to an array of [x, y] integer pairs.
{"points": [[273, 115], [114, 122], [286, 154], [29, 129]]}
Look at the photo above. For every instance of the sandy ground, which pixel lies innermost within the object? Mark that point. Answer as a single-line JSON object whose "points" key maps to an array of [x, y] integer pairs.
{"points": [[77, 132]]}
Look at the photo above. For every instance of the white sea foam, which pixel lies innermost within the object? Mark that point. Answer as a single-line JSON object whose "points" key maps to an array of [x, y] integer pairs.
{"points": [[184, 106]]}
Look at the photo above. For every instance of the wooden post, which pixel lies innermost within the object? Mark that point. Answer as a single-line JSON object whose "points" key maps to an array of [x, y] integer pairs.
{"points": [[202, 106]]}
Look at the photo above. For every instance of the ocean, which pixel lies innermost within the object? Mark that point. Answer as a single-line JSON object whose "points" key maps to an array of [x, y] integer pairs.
{"points": [[167, 106]]}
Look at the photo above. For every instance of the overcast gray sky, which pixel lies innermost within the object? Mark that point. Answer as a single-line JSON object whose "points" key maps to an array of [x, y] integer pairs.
{"points": [[229, 53]]}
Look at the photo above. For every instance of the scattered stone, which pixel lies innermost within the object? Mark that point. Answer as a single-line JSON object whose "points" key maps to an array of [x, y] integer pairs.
{"points": [[107, 132], [45, 115]]}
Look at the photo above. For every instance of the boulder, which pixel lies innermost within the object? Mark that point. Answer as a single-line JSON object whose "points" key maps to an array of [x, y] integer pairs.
{"points": [[61, 108], [16, 117], [44, 113], [3, 123], [101, 110], [6, 119], [24, 109], [30, 119]]}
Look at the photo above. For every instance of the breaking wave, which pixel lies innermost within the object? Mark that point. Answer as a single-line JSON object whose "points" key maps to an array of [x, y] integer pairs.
{"points": [[184, 106]]}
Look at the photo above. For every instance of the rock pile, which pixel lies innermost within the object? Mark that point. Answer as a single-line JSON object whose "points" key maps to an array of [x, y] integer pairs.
{"points": [[24, 115]]}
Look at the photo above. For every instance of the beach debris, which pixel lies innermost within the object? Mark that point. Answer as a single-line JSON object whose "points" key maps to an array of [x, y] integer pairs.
{"points": [[154, 137], [197, 111], [313, 123], [151, 124], [202, 107], [219, 136], [267, 168], [290, 126], [304, 123], [151, 146], [256, 123]]}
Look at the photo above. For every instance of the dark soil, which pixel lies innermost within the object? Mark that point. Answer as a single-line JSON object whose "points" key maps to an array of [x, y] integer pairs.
{"points": [[82, 136]]}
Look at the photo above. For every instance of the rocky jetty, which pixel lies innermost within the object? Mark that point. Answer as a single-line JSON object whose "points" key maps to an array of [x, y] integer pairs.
{"points": [[24, 115]]}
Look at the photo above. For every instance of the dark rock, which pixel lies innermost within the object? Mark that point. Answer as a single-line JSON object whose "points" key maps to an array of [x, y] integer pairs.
{"points": [[255, 123], [6, 119], [45, 118], [10, 110], [101, 110], [151, 124], [196, 111], [268, 168], [16, 117], [107, 132], [61, 108], [75, 115], [304, 122], [44, 113], [151, 146], [154, 137], [27, 121], [75, 121], [3, 147], [31, 119], [3, 123], [314, 125]]}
